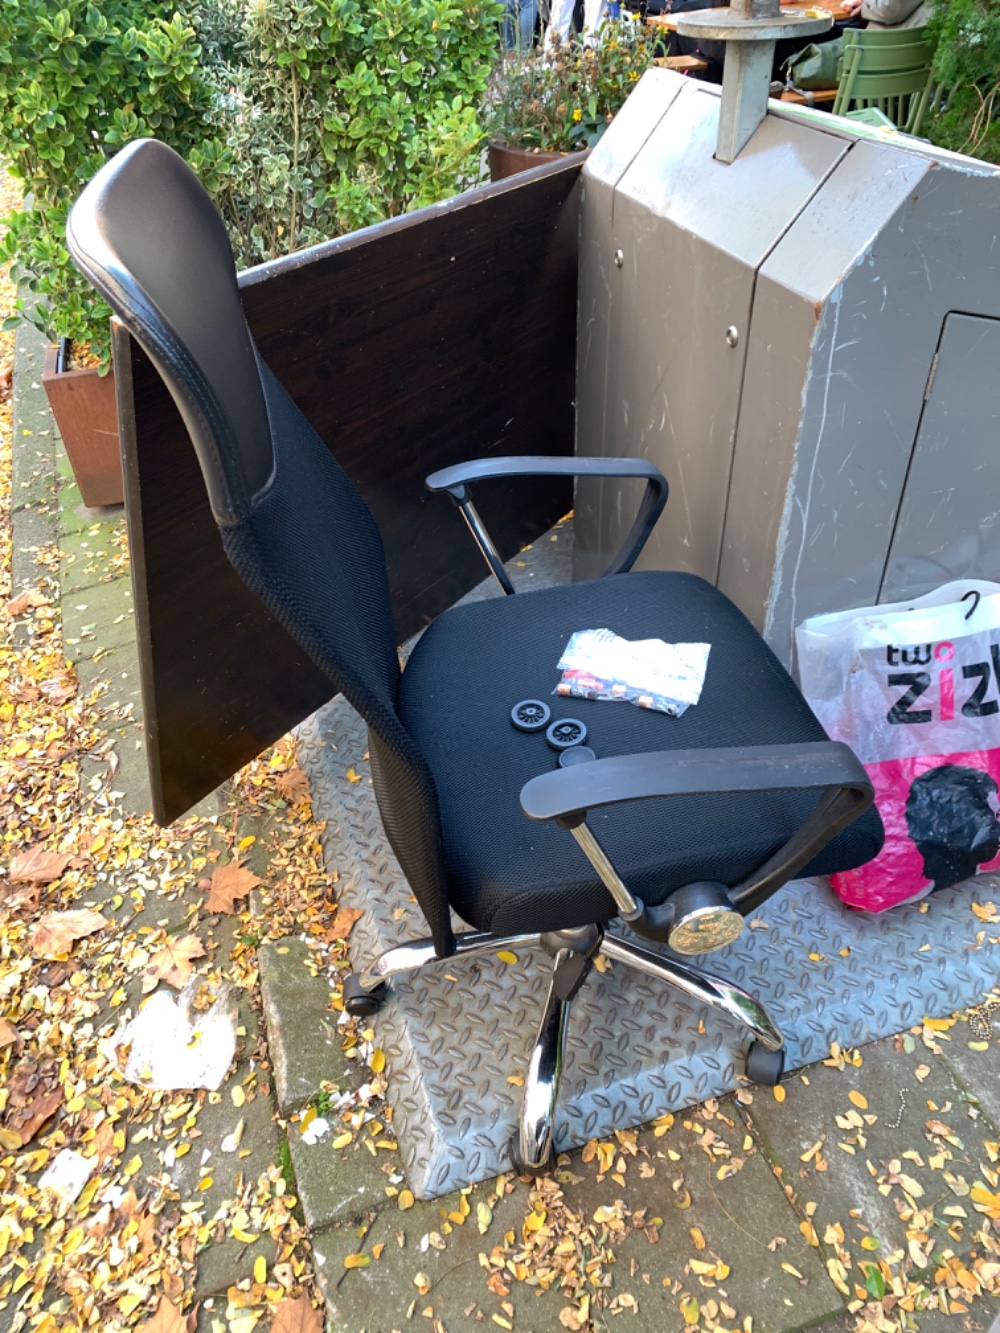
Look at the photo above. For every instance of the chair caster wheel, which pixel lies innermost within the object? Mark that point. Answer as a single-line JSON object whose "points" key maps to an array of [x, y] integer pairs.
{"points": [[763, 1066], [361, 1003], [522, 1167], [530, 715]]}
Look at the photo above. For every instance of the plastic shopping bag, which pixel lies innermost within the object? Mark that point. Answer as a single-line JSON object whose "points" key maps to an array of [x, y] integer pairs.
{"points": [[914, 689]]}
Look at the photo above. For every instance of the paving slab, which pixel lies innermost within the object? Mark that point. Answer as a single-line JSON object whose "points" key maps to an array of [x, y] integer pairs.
{"points": [[302, 1027], [377, 1299], [982, 1318], [32, 531], [34, 517], [337, 1185], [89, 556], [105, 606], [33, 468], [861, 1178], [117, 672], [974, 1068], [100, 634], [671, 1179]]}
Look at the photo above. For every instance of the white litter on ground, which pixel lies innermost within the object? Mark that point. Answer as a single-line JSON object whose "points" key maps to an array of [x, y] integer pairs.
{"points": [[66, 1176], [183, 1043]]}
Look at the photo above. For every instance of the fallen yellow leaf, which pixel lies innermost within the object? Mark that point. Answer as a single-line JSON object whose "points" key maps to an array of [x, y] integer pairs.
{"points": [[985, 1201]]}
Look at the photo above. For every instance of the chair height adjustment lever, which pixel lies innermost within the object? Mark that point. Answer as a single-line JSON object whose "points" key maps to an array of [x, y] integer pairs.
{"points": [[569, 974], [574, 951]]}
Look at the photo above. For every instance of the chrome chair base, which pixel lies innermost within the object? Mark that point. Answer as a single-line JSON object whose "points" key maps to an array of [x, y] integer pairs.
{"points": [[572, 953]]}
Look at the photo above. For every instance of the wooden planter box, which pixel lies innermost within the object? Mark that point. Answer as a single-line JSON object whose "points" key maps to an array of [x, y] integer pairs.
{"points": [[83, 404]]}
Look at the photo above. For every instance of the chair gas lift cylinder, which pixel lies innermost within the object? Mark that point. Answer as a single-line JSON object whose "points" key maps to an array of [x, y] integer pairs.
{"points": [[797, 318]]}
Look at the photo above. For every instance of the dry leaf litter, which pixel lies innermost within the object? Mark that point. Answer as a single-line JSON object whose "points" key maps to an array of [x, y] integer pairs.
{"points": [[99, 909]]}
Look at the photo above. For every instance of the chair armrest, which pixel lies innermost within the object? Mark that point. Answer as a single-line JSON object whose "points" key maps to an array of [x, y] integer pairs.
{"points": [[456, 480], [829, 767]]}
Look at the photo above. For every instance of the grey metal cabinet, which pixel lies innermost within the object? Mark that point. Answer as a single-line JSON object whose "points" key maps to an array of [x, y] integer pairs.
{"points": [[765, 332]]}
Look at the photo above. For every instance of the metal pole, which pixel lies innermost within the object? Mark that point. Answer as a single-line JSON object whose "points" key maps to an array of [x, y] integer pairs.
{"points": [[751, 28], [746, 85]]}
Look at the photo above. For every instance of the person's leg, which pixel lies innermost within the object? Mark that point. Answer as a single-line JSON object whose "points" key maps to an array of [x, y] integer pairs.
{"points": [[527, 19], [594, 12], [560, 21], [507, 29], [519, 24]]}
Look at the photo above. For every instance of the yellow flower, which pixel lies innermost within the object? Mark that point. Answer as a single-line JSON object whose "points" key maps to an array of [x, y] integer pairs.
{"points": [[578, 114], [633, 76]]}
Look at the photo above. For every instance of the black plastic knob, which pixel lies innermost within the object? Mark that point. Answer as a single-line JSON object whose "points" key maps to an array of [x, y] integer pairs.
{"points": [[579, 754]]}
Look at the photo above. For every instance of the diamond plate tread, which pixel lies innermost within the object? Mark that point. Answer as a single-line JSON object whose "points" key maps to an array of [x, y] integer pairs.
{"points": [[455, 1034]]}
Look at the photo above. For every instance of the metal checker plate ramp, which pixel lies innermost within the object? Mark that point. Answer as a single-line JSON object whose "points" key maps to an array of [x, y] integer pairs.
{"points": [[456, 1033]]}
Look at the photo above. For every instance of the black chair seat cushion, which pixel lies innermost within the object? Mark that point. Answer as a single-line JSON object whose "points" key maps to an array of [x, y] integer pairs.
{"points": [[507, 874]]}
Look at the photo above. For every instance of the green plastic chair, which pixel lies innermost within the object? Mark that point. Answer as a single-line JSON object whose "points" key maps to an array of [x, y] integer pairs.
{"points": [[871, 115], [889, 71]]}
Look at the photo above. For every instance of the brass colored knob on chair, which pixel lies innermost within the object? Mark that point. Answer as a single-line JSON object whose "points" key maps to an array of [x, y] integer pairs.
{"points": [[704, 919]]}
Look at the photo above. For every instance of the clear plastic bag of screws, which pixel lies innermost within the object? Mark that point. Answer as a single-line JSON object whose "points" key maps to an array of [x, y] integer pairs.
{"points": [[664, 677]]}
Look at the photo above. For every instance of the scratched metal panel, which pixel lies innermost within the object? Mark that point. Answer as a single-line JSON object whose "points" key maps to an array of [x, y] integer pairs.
{"points": [[949, 520], [455, 1033], [693, 233], [603, 170], [830, 398], [870, 360]]}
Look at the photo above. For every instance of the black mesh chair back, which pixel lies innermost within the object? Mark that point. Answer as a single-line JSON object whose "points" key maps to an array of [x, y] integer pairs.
{"points": [[147, 236]]}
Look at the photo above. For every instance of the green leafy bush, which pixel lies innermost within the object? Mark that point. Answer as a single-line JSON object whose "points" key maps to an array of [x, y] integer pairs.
{"points": [[304, 118], [565, 98], [966, 34], [336, 114], [76, 83]]}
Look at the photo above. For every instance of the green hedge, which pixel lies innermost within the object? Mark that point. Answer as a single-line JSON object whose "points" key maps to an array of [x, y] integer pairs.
{"points": [[966, 34], [304, 118]]}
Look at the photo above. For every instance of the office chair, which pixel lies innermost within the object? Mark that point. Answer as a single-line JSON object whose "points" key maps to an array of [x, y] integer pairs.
{"points": [[677, 826]]}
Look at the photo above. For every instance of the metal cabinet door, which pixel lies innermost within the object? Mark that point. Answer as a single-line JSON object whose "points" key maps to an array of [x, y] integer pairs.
{"points": [[949, 517], [687, 236]]}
